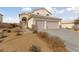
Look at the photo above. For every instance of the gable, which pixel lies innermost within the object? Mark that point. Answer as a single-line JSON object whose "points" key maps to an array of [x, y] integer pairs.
{"points": [[42, 11]]}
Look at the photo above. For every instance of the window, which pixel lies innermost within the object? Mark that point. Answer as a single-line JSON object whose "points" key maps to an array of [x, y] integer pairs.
{"points": [[47, 14]]}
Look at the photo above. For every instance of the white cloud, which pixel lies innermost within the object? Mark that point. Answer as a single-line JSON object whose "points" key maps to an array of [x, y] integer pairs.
{"points": [[74, 9], [26, 9], [68, 18], [69, 9], [10, 20], [61, 11], [55, 10]]}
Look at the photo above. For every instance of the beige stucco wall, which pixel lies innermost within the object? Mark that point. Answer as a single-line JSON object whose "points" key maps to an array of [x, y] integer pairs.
{"points": [[1, 18], [42, 12], [67, 25], [30, 22]]}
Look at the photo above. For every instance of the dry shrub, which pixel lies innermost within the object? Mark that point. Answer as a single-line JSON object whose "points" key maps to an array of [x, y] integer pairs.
{"points": [[42, 35], [18, 33], [34, 48], [1, 40], [2, 35], [54, 42], [13, 25], [60, 49], [4, 30], [8, 31], [57, 44], [29, 28]]}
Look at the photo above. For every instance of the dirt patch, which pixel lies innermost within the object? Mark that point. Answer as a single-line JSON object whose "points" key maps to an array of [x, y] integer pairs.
{"points": [[28, 41], [24, 43]]}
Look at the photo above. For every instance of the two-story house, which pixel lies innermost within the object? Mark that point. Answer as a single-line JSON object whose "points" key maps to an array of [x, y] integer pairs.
{"points": [[41, 18]]}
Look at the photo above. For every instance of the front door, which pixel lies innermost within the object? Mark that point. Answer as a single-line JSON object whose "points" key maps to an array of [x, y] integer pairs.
{"points": [[24, 23]]}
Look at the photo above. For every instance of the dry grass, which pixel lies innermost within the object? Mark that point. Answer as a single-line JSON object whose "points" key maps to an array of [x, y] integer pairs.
{"points": [[54, 42], [8, 31]]}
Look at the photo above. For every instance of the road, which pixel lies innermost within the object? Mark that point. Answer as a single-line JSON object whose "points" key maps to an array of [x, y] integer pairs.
{"points": [[71, 38]]}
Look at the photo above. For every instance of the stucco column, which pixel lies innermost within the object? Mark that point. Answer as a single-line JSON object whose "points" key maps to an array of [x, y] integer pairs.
{"points": [[60, 25], [45, 25]]}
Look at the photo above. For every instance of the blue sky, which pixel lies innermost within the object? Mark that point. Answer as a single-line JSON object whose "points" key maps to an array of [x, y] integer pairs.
{"points": [[66, 13]]}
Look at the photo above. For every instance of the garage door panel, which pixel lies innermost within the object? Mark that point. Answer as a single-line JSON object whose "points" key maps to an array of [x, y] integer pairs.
{"points": [[40, 25], [52, 25]]}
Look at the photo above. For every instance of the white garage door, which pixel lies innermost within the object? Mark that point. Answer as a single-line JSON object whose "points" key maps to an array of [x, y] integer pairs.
{"points": [[52, 25], [40, 25]]}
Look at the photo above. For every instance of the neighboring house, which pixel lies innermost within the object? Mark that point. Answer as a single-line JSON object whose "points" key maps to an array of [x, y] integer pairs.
{"points": [[67, 24], [76, 26], [41, 18], [1, 18]]}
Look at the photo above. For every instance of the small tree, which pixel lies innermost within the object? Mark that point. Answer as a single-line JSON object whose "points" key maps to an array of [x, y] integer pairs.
{"points": [[76, 22]]}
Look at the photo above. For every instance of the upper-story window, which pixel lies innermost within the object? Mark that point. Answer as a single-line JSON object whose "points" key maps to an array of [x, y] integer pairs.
{"points": [[47, 14], [37, 13]]}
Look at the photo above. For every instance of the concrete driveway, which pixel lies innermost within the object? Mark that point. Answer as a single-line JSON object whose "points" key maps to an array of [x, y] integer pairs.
{"points": [[71, 38]]}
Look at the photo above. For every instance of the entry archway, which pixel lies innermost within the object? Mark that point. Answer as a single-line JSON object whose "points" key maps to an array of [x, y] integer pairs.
{"points": [[24, 19], [24, 22]]}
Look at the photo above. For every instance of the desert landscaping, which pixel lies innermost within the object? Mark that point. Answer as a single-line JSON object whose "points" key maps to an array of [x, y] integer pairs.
{"points": [[38, 31], [30, 42]]}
